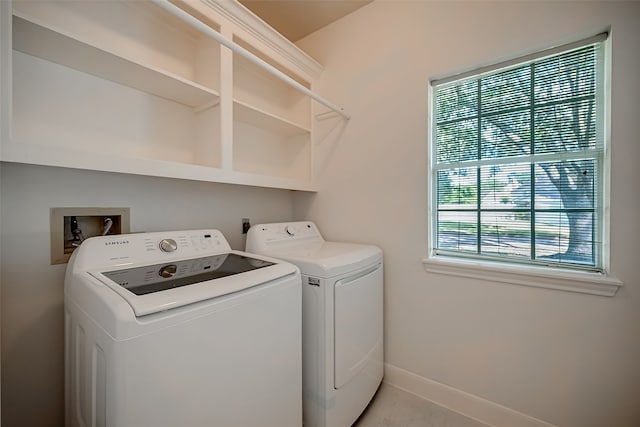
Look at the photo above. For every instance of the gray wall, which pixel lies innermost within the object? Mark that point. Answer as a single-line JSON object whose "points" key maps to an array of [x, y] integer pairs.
{"points": [[565, 358], [32, 289]]}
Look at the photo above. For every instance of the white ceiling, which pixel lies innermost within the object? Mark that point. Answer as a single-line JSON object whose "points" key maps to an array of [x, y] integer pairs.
{"points": [[296, 19]]}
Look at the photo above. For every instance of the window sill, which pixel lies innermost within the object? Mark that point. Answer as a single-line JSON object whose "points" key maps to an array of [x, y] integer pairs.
{"points": [[541, 277]]}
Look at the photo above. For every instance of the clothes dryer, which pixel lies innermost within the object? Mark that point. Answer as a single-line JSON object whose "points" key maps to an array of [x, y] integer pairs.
{"points": [[176, 329], [342, 311]]}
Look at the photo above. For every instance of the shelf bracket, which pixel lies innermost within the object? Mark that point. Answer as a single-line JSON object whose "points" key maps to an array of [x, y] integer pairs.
{"points": [[202, 27], [206, 106], [326, 115]]}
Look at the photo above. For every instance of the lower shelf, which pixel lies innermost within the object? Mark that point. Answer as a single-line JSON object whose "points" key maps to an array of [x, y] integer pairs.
{"points": [[74, 159]]}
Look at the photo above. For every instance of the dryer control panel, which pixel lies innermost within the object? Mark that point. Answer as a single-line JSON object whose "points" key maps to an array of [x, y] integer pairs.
{"points": [[269, 236]]}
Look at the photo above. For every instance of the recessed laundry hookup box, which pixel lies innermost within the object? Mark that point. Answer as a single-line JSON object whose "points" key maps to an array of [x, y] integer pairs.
{"points": [[71, 226]]}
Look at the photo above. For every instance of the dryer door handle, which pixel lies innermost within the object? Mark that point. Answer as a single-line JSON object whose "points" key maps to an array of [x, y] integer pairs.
{"points": [[347, 280]]}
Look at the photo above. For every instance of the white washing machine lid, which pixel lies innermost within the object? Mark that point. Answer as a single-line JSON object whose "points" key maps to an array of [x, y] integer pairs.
{"points": [[158, 271], [147, 291], [328, 259]]}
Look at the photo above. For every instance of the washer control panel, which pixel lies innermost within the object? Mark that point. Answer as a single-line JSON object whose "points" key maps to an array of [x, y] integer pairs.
{"points": [[152, 247], [185, 242]]}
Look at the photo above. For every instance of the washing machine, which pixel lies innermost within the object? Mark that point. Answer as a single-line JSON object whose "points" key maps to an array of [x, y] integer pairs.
{"points": [[177, 329], [342, 312]]}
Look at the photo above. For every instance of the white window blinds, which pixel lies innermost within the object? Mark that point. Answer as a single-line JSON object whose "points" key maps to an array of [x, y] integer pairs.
{"points": [[518, 159]]}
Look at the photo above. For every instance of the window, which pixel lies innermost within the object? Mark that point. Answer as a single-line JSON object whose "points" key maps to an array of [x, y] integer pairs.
{"points": [[518, 160]]}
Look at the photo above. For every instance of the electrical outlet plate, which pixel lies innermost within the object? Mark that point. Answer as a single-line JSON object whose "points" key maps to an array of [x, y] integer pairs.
{"points": [[246, 224], [92, 223]]}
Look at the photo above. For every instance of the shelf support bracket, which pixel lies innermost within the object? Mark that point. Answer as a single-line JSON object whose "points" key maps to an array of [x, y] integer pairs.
{"points": [[200, 26], [206, 106]]}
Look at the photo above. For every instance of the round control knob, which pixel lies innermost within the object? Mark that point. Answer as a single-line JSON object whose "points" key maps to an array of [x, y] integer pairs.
{"points": [[168, 245], [291, 231], [168, 271]]}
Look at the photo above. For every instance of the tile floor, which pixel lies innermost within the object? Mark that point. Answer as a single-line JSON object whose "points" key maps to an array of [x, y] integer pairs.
{"points": [[392, 407]]}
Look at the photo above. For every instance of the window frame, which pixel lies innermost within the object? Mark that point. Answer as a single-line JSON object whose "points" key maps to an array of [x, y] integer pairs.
{"points": [[523, 273]]}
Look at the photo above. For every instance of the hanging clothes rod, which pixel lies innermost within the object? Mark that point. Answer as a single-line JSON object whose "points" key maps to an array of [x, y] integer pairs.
{"points": [[199, 25]]}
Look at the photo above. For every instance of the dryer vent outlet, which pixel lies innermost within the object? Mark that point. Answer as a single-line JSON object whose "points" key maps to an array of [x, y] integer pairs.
{"points": [[71, 226]]}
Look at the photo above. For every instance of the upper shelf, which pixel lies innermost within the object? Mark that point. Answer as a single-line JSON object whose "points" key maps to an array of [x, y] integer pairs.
{"points": [[237, 49], [55, 45]]}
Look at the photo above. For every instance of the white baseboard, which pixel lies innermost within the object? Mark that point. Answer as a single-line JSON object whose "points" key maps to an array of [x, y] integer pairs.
{"points": [[464, 403]]}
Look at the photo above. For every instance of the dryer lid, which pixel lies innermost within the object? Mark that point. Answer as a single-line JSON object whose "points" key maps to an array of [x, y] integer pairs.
{"points": [[302, 244], [329, 259]]}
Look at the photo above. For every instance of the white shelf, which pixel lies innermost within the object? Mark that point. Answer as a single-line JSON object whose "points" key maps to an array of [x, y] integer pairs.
{"points": [[56, 46], [125, 87], [255, 87], [268, 145], [244, 112], [107, 162]]}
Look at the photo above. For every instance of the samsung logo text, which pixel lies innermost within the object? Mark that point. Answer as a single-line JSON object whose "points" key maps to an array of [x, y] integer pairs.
{"points": [[117, 242]]}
